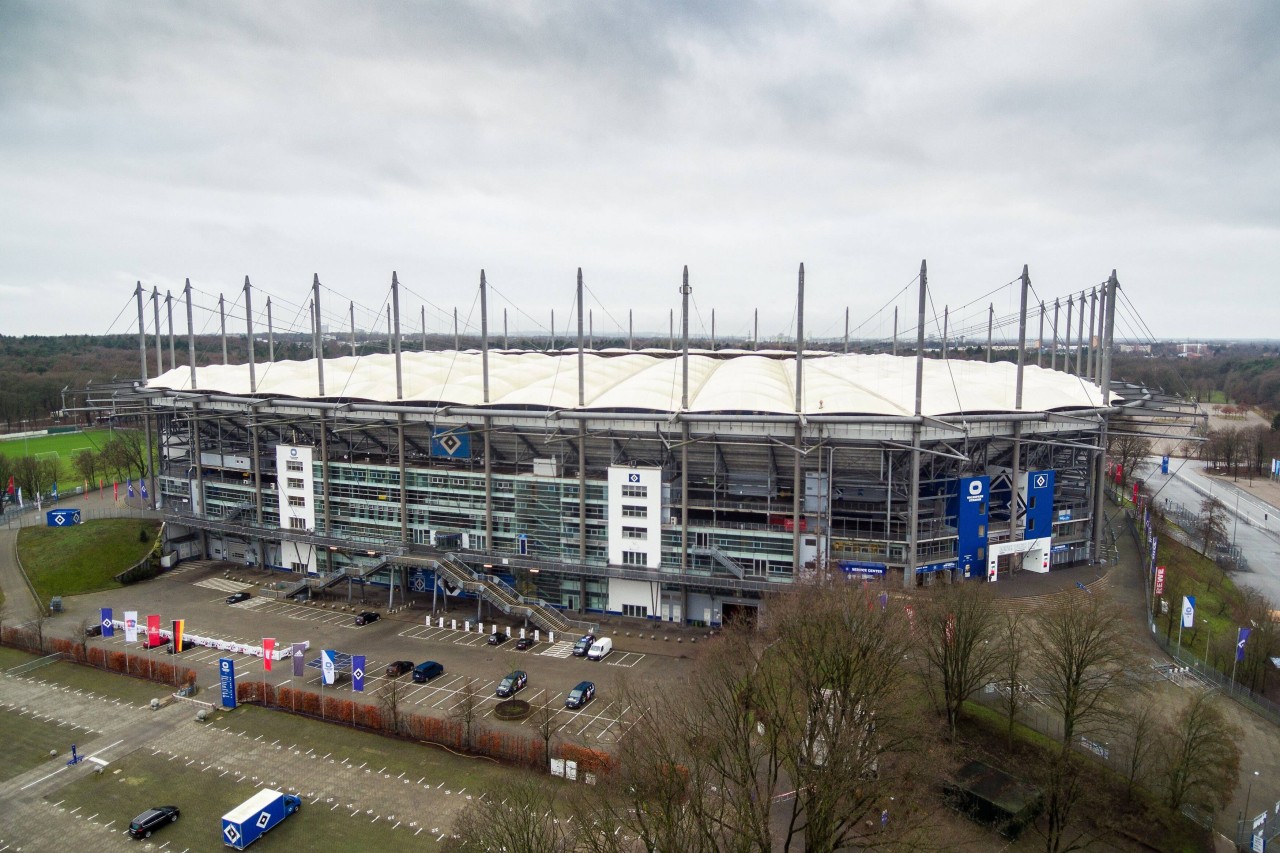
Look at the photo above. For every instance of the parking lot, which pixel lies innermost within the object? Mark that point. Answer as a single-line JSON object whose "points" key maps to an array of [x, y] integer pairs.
{"points": [[471, 664]]}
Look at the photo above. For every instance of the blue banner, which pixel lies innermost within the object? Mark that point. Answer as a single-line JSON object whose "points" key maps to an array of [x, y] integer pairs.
{"points": [[227, 674], [1241, 639], [357, 673], [108, 627], [62, 517], [1164, 464], [129, 482], [327, 658], [1039, 504], [857, 567], [451, 442], [972, 502]]}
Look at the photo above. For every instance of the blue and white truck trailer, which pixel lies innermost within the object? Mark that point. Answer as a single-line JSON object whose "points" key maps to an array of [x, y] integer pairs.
{"points": [[253, 818]]}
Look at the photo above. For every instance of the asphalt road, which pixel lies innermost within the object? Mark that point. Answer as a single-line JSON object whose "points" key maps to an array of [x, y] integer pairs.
{"points": [[1253, 525]]}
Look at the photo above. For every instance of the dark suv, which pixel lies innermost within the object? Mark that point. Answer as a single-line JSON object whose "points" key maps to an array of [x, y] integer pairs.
{"points": [[366, 617], [152, 819], [398, 667], [584, 643]]}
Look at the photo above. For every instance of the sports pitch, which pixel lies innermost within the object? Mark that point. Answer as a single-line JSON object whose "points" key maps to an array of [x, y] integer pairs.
{"points": [[65, 445]]}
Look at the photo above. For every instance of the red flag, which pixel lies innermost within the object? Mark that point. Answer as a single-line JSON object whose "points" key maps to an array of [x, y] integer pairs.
{"points": [[268, 646], [10, 489], [153, 629], [115, 491]]}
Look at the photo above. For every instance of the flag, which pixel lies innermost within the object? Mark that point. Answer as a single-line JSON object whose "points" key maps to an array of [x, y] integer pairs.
{"points": [[1159, 580], [115, 490], [143, 484], [10, 489], [1188, 611], [1241, 638], [55, 491], [39, 505], [153, 629], [108, 627], [19, 497], [178, 625], [268, 648], [326, 665], [129, 482], [131, 626], [884, 600], [357, 673], [299, 659], [102, 484]]}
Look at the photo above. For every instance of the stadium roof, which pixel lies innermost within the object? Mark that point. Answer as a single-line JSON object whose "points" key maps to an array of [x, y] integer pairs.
{"points": [[834, 384]]}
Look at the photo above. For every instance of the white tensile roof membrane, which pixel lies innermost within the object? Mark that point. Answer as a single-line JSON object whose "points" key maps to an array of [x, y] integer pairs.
{"points": [[833, 384]]}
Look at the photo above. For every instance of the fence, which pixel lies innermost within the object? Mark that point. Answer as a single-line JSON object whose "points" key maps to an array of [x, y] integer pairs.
{"points": [[28, 516], [138, 666]]}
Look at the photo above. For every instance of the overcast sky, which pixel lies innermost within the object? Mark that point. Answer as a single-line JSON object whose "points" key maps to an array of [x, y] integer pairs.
{"points": [[158, 141]]}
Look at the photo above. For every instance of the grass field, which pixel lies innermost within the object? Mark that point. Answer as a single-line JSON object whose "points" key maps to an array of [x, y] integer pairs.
{"points": [[89, 679], [84, 557], [65, 445], [27, 743]]}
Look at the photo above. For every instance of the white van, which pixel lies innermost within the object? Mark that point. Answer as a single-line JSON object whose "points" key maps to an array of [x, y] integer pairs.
{"points": [[600, 648]]}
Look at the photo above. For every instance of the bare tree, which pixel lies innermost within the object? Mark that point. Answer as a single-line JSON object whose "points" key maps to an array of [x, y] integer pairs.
{"points": [[516, 817], [390, 695], [1211, 525], [546, 721], [87, 465], [1012, 639], [34, 476], [1202, 758], [467, 711], [1127, 449], [1137, 738], [956, 627], [1081, 651]]}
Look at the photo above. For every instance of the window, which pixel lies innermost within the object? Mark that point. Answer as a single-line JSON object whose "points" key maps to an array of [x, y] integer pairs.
{"points": [[634, 511], [297, 500], [295, 483], [635, 558], [635, 533], [1031, 502], [298, 567], [638, 610], [293, 465], [630, 490], [297, 524]]}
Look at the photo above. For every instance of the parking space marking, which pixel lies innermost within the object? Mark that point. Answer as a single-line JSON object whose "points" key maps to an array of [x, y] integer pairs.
{"points": [[561, 649], [223, 585], [624, 659]]}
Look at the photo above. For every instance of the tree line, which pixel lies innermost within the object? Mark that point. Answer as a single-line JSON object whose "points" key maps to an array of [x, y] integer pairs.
{"points": [[121, 457], [838, 725]]}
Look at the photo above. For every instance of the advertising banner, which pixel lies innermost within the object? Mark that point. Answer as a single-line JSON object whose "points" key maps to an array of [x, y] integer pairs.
{"points": [[153, 629], [357, 673], [178, 625], [131, 626], [972, 502], [227, 674], [299, 659], [1188, 611], [327, 659], [108, 627], [1039, 518], [268, 647], [1159, 580], [1241, 638]]}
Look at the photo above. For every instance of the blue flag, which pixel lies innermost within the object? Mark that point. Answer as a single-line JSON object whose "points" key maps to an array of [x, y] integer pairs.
{"points": [[327, 658], [143, 484], [357, 673], [129, 482], [108, 627], [1188, 611], [1241, 639], [55, 490]]}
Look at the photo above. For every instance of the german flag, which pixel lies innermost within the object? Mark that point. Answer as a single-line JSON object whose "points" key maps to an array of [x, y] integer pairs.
{"points": [[177, 635]]}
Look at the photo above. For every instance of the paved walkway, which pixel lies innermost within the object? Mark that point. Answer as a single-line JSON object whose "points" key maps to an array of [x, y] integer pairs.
{"points": [[19, 605]]}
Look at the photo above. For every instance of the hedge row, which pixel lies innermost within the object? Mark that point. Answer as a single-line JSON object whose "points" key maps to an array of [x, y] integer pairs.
{"points": [[138, 666]]}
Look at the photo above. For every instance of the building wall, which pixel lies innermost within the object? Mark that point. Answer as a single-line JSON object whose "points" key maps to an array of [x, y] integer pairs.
{"points": [[296, 502], [635, 517]]}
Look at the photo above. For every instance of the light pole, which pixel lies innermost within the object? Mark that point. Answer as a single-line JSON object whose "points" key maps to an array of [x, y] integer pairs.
{"points": [[1248, 794]]}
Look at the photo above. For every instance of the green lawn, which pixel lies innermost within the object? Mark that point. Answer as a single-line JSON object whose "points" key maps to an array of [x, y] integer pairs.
{"points": [[140, 780], [82, 558], [66, 445], [89, 679]]}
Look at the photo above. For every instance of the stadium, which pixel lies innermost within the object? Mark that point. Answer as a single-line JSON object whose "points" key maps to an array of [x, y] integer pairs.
{"points": [[680, 485]]}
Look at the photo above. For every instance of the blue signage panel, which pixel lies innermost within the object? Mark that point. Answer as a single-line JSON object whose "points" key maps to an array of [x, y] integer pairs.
{"points": [[357, 673], [1039, 504], [861, 569], [108, 627], [62, 517], [451, 442], [1164, 464], [973, 499], [227, 674]]}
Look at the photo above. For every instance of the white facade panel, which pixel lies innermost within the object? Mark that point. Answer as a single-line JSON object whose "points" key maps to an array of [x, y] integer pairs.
{"points": [[635, 517], [635, 593], [295, 486]]}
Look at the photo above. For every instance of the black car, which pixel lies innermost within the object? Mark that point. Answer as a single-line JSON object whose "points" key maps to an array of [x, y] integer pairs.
{"points": [[237, 597], [513, 683], [366, 617], [524, 643], [94, 630], [398, 667], [584, 642], [580, 695], [497, 638], [152, 819]]}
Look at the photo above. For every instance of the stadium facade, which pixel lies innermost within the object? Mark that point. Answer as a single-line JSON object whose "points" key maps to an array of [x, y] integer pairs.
{"points": [[679, 485]]}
